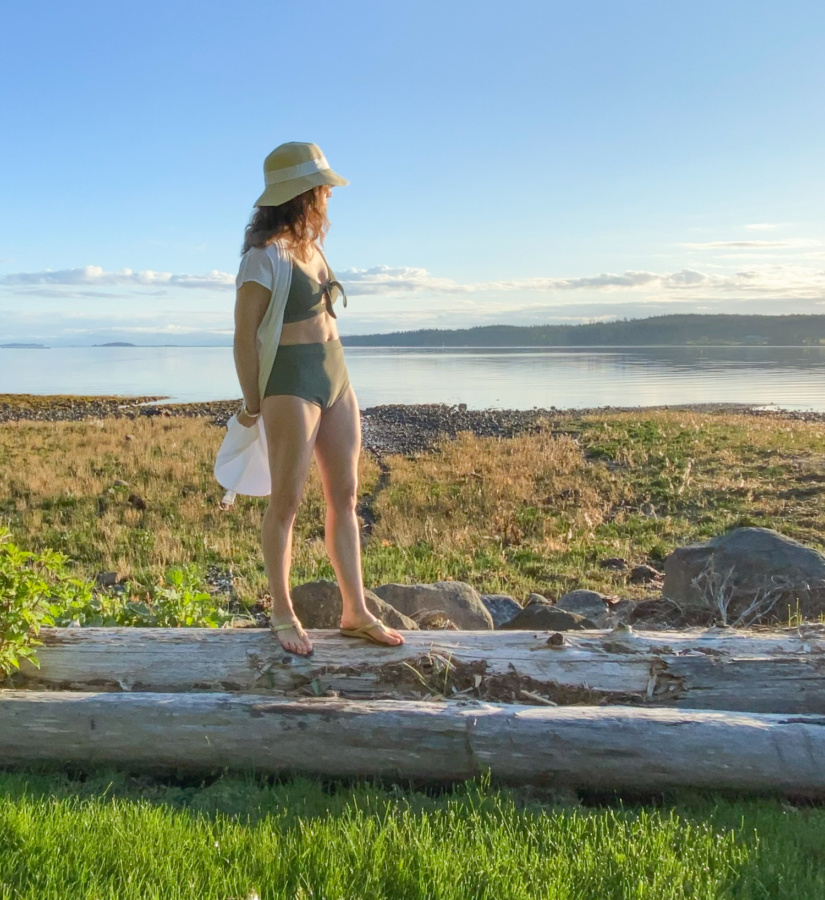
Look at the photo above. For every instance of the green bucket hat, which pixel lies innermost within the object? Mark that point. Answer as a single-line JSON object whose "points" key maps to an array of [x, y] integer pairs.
{"points": [[292, 169]]}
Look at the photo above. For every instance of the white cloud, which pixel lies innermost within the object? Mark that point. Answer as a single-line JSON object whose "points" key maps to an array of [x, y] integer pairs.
{"points": [[763, 226], [387, 281], [753, 245], [770, 277], [384, 279], [96, 276], [607, 281], [50, 293]]}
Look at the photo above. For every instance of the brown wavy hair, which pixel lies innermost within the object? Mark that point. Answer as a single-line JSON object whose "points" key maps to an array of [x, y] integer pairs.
{"points": [[301, 221]]}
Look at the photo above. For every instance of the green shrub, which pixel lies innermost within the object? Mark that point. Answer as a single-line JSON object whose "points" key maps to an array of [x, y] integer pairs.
{"points": [[34, 588], [176, 602]]}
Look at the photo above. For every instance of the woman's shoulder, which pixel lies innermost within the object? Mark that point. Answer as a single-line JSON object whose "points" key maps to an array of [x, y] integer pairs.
{"points": [[272, 256], [275, 250]]}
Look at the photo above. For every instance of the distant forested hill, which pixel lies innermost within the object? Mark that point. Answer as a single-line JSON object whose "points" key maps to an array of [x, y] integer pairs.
{"points": [[690, 329]]}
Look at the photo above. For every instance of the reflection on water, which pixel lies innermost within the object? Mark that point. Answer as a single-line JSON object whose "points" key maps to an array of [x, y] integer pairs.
{"points": [[789, 377]]}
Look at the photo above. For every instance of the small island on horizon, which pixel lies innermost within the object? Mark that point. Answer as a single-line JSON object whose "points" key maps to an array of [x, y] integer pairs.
{"points": [[22, 346]]}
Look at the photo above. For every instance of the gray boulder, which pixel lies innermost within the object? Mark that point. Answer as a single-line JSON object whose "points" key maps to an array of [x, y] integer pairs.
{"points": [[590, 604], [501, 607], [747, 575], [540, 617], [460, 602], [318, 605]]}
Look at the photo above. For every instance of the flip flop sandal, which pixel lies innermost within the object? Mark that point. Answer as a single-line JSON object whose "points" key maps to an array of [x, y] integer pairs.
{"points": [[365, 633], [283, 627]]}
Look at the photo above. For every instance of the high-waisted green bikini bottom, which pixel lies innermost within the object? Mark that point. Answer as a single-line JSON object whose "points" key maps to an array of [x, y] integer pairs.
{"points": [[316, 372]]}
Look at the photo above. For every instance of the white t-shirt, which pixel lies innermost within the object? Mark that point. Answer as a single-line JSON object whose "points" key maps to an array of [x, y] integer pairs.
{"points": [[256, 265], [270, 266]]}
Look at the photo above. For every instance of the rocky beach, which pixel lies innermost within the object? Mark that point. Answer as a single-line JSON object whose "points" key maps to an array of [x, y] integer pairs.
{"points": [[390, 428]]}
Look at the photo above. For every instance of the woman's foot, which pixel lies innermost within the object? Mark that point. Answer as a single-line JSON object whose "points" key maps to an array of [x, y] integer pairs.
{"points": [[381, 634], [291, 635]]}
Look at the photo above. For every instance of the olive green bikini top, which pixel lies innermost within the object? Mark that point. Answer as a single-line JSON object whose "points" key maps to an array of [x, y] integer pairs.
{"points": [[308, 297]]}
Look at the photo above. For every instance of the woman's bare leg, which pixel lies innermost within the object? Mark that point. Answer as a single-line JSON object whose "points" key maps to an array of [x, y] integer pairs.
{"points": [[291, 427], [337, 448]]}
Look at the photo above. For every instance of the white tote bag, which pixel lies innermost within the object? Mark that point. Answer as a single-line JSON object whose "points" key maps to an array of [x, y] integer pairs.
{"points": [[242, 464]]}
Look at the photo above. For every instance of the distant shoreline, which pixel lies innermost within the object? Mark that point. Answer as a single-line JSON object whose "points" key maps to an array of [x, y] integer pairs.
{"points": [[673, 330], [356, 346], [695, 331]]}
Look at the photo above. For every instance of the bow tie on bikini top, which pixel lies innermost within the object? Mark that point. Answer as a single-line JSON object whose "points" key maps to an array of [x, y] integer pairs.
{"points": [[327, 289]]}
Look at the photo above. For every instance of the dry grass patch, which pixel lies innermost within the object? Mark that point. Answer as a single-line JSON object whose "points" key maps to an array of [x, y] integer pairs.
{"points": [[536, 512], [536, 488], [60, 487], [539, 511]]}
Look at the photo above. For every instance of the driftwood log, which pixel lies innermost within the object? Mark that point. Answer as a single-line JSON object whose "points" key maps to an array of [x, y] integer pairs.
{"points": [[771, 672], [593, 747]]}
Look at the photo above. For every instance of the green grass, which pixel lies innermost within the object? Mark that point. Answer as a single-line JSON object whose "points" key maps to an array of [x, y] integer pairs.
{"points": [[109, 837]]}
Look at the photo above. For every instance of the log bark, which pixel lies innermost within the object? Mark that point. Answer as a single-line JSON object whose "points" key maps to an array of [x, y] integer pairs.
{"points": [[778, 671], [613, 748]]}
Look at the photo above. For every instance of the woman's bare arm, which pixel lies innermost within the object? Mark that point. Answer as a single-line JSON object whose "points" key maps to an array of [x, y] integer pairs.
{"points": [[251, 303]]}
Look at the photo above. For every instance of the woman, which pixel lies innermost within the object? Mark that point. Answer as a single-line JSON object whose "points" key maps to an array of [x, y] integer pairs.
{"points": [[291, 368]]}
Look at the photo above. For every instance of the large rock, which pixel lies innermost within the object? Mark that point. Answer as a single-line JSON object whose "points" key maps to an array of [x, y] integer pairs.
{"points": [[590, 604], [318, 605], [460, 602], [540, 617], [747, 575], [501, 607]]}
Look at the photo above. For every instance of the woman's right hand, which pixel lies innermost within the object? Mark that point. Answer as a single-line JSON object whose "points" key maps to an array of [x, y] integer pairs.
{"points": [[247, 421]]}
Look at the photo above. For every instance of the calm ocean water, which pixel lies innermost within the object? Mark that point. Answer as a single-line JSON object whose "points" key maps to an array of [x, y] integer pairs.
{"points": [[788, 377]]}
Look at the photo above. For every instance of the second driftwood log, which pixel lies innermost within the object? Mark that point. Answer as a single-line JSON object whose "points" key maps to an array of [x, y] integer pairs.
{"points": [[612, 748]]}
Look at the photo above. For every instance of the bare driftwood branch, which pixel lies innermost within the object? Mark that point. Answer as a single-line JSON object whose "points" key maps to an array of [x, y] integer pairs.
{"points": [[720, 593]]}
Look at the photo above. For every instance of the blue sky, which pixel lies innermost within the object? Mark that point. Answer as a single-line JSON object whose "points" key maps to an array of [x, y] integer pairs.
{"points": [[525, 162]]}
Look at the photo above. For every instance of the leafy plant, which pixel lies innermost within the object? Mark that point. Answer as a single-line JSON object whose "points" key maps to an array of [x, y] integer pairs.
{"points": [[34, 587], [36, 590], [175, 602]]}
